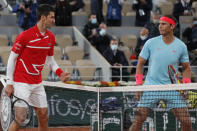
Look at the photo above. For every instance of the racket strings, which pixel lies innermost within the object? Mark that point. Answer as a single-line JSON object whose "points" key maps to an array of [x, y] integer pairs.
{"points": [[21, 112]]}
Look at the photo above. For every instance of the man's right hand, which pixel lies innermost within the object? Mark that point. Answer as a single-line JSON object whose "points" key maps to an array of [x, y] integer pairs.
{"points": [[9, 90]]}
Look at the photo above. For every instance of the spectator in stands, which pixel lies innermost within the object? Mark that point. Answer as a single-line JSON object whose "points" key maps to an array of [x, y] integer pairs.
{"points": [[114, 8], [190, 34], [155, 4], [153, 25], [76, 5], [63, 13], [100, 38], [1, 7], [97, 8], [50, 2], [144, 36], [117, 59], [26, 13], [143, 9], [90, 27], [182, 8]]}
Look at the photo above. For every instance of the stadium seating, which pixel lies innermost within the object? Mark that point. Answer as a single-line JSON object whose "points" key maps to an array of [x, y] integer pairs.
{"points": [[126, 51], [129, 41], [126, 7], [57, 53], [173, 1], [87, 7], [74, 53], [13, 38], [166, 8], [4, 53], [65, 65], [63, 40], [4, 40], [86, 69], [194, 6], [45, 72]]}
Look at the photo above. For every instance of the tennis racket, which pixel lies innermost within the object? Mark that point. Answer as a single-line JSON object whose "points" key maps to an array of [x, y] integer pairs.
{"points": [[175, 79], [173, 75], [16, 109]]}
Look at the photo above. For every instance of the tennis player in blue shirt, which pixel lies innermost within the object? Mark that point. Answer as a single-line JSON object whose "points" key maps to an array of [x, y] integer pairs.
{"points": [[162, 51]]}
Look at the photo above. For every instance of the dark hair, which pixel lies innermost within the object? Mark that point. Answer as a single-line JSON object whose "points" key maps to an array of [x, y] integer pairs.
{"points": [[171, 17], [91, 15], [43, 9]]}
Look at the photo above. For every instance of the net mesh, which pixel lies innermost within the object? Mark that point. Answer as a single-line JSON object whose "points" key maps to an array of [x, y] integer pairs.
{"points": [[118, 106]]}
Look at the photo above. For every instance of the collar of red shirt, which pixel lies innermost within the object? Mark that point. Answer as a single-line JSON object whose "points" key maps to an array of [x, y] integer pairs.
{"points": [[38, 32]]}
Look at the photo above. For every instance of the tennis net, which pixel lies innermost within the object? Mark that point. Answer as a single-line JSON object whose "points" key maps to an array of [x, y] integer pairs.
{"points": [[115, 108]]}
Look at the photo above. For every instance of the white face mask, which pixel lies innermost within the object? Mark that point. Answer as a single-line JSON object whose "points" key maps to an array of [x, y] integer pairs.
{"points": [[94, 21], [155, 21], [143, 37], [114, 47], [195, 22], [102, 32]]}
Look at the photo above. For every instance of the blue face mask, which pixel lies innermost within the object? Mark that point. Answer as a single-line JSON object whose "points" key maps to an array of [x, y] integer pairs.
{"points": [[114, 47], [102, 32], [94, 21], [195, 22]]}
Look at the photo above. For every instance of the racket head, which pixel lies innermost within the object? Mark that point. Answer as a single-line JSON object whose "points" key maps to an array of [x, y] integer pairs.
{"points": [[21, 112], [5, 111], [173, 75]]}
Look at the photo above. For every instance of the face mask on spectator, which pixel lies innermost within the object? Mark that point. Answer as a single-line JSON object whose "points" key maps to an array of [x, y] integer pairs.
{"points": [[94, 21], [195, 22], [114, 47], [143, 37], [102, 32], [155, 21]]}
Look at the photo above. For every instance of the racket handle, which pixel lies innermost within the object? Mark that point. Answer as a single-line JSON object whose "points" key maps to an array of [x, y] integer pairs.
{"points": [[186, 80], [139, 79]]}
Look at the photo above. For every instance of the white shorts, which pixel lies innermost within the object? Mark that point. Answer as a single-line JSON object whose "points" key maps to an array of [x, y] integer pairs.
{"points": [[34, 94]]}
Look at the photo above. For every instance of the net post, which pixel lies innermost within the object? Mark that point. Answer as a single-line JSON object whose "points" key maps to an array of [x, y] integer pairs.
{"points": [[98, 107]]}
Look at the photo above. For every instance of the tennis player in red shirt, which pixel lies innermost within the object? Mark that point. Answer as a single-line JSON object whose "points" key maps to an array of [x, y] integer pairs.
{"points": [[31, 50]]}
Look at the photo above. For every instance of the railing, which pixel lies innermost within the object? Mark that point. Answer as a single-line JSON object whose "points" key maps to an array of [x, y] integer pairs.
{"points": [[97, 74]]}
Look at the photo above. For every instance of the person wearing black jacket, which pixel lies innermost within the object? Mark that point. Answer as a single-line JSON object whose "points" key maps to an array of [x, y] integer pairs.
{"points": [[76, 5], [96, 8], [63, 13], [90, 27], [182, 8], [143, 9], [190, 33], [153, 26], [117, 59], [144, 36], [100, 39]]}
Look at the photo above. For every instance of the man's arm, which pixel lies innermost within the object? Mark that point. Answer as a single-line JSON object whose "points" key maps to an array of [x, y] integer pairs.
{"points": [[186, 72], [139, 76], [10, 71], [50, 61], [140, 65]]}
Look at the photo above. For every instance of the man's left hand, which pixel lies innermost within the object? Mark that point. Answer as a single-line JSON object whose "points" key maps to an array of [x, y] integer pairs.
{"points": [[64, 76]]}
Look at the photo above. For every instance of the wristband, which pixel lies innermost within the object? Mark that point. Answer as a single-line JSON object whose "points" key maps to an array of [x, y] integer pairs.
{"points": [[9, 82], [186, 80], [139, 79], [59, 72]]}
